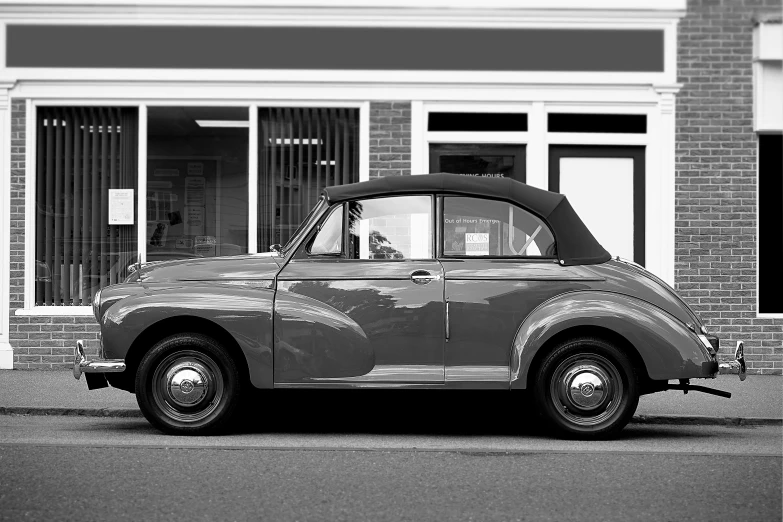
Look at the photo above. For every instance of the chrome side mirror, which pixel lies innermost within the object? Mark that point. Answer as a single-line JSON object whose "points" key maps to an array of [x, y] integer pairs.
{"points": [[275, 248]]}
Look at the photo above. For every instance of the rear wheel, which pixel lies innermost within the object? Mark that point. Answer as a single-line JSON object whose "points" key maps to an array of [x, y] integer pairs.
{"points": [[188, 384], [586, 388]]}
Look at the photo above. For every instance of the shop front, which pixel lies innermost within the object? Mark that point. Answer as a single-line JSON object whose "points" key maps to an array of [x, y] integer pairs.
{"points": [[210, 131]]}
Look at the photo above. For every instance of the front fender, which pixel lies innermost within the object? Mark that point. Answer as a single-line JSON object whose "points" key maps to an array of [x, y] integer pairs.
{"points": [[244, 311], [667, 347]]}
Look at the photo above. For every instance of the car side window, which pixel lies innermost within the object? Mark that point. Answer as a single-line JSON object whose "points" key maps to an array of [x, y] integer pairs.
{"points": [[485, 227], [391, 228], [329, 239]]}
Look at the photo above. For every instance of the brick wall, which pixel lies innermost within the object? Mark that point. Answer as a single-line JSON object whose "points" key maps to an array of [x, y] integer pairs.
{"points": [[715, 258], [390, 139], [38, 342]]}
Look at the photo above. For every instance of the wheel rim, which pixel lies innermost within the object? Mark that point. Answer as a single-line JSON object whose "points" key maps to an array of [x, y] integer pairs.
{"points": [[586, 389], [187, 386]]}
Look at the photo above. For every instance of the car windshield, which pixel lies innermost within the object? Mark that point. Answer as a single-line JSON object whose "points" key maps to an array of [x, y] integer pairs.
{"points": [[314, 214]]}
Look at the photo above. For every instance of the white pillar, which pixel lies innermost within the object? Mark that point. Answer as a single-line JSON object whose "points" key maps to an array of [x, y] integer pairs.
{"points": [[6, 352], [667, 130]]}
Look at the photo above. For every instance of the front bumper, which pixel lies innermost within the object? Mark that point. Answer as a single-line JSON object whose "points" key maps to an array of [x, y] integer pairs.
{"points": [[82, 365]]}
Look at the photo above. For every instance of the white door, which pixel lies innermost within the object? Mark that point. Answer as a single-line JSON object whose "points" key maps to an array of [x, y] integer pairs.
{"points": [[605, 185]]}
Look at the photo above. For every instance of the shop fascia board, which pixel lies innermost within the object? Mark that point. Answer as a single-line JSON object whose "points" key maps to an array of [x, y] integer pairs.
{"points": [[265, 93], [337, 12]]}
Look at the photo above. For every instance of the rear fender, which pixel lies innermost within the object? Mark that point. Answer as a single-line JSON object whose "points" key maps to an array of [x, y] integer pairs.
{"points": [[668, 349], [243, 311]]}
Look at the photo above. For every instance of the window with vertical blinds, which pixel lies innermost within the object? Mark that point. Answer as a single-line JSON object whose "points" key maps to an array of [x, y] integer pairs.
{"points": [[301, 150], [82, 152]]}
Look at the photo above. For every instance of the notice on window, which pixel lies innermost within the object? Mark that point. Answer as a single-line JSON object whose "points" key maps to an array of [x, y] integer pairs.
{"points": [[120, 206], [194, 221], [476, 244], [194, 191], [195, 169]]}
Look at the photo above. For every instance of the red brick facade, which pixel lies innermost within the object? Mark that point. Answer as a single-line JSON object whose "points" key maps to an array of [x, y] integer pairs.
{"points": [[390, 139], [715, 258]]}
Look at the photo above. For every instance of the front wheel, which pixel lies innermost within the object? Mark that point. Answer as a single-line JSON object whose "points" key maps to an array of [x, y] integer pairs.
{"points": [[188, 384], [586, 388]]}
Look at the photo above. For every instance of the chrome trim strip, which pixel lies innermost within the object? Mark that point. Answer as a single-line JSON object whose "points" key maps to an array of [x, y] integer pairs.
{"points": [[82, 365], [448, 328], [392, 373], [478, 373]]}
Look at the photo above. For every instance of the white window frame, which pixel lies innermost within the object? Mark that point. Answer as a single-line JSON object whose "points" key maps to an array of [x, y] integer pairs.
{"points": [[767, 47], [30, 309], [655, 103]]}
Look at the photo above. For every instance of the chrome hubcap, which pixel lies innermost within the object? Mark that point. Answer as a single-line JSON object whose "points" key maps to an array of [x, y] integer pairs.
{"points": [[586, 389], [187, 386], [187, 383]]}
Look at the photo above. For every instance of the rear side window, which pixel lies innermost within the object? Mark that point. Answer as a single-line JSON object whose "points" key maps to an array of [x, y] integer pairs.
{"points": [[484, 227]]}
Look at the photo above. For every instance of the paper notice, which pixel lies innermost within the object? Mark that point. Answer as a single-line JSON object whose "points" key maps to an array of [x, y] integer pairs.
{"points": [[476, 244], [194, 191], [120, 206]]}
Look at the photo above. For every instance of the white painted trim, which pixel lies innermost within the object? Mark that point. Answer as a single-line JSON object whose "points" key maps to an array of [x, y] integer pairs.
{"points": [[586, 138], [6, 356], [419, 146], [537, 153], [329, 76], [252, 181], [141, 183], [337, 94], [563, 5], [6, 352], [768, 41], [29, 205], [364, 141], [56, 311], [498, 107], [476, 137]]}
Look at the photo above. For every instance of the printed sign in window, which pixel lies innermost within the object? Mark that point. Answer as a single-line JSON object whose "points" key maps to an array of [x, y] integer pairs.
{"points": [[476, 244]]}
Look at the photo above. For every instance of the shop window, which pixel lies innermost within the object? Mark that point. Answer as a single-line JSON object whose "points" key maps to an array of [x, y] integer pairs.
{"points": [[301, 151], [197, 182], [477, 121], [82, 155], [483, 227], [770, 242], [602, 123]]}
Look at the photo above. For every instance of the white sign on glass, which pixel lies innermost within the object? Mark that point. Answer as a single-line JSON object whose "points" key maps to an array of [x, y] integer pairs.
{"points": [[120, 206], [476, 244]]}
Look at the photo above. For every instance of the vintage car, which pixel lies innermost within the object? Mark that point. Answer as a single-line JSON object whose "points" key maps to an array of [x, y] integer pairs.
{"points": [[437, 281]]}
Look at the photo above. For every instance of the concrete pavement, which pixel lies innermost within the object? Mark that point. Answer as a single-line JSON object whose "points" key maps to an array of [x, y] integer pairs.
{"points": [[757, 400]]}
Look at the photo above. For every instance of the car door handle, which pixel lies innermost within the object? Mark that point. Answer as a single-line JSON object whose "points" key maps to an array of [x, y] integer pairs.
{"points": [[422, 277]]}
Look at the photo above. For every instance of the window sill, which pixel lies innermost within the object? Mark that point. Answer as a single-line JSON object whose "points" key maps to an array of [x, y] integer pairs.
{"points": [[56, 311]]}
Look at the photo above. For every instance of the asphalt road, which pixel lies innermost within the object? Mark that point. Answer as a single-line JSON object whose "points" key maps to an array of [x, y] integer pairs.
{"points": [[86, 468]]}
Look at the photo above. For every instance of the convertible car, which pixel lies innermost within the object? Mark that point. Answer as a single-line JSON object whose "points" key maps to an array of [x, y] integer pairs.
{"points": [[438, 281]]}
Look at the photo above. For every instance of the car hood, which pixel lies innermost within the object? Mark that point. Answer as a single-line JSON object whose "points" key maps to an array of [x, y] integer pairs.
{"points": [[247, 267]]}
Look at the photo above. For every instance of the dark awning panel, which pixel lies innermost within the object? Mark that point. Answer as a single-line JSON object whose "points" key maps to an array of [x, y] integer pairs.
{"points": [[575, 244]]}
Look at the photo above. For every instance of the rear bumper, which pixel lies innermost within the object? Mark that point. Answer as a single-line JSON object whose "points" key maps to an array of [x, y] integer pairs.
{"points": [[737, 366], [82, 365]]}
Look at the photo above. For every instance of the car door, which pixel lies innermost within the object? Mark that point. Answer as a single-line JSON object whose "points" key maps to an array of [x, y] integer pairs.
{"points": [[361, 302], [499, 264]]}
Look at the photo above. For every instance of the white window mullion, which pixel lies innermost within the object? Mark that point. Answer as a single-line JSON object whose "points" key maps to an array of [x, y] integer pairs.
{"points": [[252, 182], [142, 184]]}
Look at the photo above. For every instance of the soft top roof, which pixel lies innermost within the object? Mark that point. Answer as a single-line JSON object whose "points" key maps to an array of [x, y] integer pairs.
{"points": [[575, 244]]}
